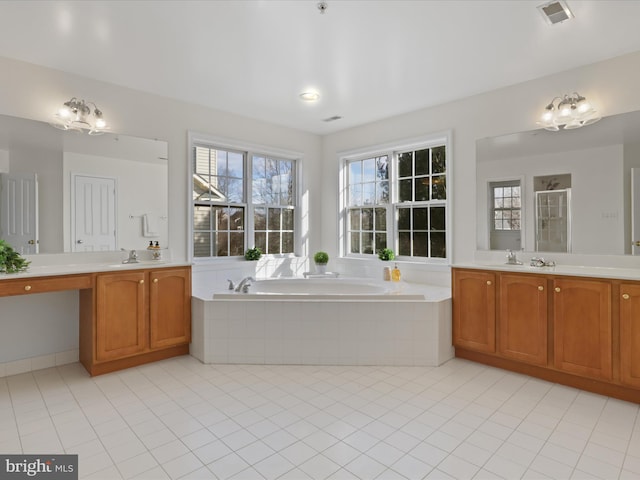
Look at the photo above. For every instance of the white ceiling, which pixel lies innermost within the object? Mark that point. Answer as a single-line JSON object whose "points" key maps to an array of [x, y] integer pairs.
{"points": [[368, 59]]}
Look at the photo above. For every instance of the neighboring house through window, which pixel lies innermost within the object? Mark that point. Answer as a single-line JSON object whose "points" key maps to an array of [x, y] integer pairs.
{"points": [[242, 199]]}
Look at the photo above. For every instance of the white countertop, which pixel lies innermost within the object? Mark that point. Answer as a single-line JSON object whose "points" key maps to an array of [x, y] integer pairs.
{"points": [[572, 270], [79, 268]]}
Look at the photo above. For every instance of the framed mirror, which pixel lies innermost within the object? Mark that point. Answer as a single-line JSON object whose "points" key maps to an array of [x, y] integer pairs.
{"points": [[574, 191], [65, 191]]}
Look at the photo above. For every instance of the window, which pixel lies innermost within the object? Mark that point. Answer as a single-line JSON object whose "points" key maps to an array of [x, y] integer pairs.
{"points": [[273, 199], [506, 215], [397, 199], [231, 213], [368, 200], [506, 205], [421, 209]]}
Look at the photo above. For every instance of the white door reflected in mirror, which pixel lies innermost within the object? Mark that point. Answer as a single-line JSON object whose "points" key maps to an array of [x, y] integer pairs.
{"points": [[19, 215], [93, 213]]}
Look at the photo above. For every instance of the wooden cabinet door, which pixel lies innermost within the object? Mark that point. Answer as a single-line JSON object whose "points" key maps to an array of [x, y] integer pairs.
{"points": [[582, 327], [120, 315], [630, 334], [169, 307], [474, 310], [522, 319]]}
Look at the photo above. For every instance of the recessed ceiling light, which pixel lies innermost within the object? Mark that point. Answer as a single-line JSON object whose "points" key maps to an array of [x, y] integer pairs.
{"points": [[310, 96]]}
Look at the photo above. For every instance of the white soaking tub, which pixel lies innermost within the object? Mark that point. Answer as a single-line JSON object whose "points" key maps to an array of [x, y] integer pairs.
{"points": [[344, 321]]}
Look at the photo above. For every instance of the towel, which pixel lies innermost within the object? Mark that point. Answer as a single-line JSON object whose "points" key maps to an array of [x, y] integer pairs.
{"points": [[150, 225]]}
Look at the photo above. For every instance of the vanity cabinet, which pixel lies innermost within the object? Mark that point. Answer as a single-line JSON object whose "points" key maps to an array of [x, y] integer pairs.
{"points": [[578, 331], [582, 327], [474, 310], [522, 318], [120, 315], [629, 304], [135, 317]]}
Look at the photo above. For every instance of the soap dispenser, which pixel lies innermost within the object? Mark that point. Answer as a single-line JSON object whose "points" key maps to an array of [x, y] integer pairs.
{"points": [[395, 274]]}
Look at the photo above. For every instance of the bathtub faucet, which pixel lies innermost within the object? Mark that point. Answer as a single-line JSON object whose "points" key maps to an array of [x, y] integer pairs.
{"points": [[244, 284]]}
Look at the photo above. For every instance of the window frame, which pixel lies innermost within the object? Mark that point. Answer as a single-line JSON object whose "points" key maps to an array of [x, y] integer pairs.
{"points": [[392, 149], [249, 150]]}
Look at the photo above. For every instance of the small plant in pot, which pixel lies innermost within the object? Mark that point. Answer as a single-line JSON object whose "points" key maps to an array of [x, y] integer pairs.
{"points": [[386, 254], [10, 260], [253, 254], [321, 259]]}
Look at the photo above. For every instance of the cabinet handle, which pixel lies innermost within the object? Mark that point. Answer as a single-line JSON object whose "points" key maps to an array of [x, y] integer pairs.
{"points": [[155, 280], [27, 288], [141, 282], [557, 289], [488, 282], [541, 288], [625, 296]]}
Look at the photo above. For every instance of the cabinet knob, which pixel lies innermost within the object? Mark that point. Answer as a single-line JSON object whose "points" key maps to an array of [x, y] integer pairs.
{"points": [[489, 282], [141, 282], [557, 289], [155, 280], [625, 296], [541, 288], [27, 288]]}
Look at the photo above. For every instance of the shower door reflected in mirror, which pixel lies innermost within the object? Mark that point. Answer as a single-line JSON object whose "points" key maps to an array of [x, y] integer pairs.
{"points": [[553, 220]]}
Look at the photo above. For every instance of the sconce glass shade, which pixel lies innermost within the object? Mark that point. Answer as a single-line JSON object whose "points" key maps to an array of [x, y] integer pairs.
{"points": [[77, 115], [570, 112]]}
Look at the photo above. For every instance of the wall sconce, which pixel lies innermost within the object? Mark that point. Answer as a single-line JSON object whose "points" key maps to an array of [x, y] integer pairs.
{"points": [[77, 115], [572, 111]]}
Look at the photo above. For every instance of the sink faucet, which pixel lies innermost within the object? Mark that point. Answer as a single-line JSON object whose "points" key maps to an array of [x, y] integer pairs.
{"points": [[541, 262], [244, 284], [512, 259], [133, 256]]}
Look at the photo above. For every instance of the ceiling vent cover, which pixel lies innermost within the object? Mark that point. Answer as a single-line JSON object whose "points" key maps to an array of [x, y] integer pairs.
{"points": [[555, 12]]}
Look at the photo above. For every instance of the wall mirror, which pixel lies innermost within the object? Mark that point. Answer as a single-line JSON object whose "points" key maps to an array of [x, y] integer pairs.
{"points": [[65, 191], [575, 191]]}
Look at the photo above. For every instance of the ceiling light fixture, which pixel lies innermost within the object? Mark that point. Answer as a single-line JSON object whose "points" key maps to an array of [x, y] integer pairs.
{"points": [[571, 111], [77, 115], [310, 96]]}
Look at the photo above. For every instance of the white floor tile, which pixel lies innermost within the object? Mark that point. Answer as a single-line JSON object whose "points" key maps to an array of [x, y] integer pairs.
{"points": [[182, 419]]}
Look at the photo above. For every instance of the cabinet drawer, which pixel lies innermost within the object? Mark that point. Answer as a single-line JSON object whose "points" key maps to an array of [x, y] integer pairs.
{"points": [[28, 286]]}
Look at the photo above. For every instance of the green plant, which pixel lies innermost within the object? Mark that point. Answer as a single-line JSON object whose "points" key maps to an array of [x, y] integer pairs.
{"points": [[321, 258], [386, 254], [253, 254], [10, 260]]}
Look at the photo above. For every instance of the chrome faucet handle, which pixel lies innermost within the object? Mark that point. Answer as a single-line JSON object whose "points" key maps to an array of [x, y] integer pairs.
{"points": [[231, 284]]}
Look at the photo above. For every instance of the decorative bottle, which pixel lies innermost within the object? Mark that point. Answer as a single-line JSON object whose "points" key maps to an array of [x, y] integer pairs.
{"points": [[395, 273]]}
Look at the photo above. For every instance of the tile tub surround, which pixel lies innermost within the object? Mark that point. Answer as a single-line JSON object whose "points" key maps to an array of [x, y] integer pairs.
{"points": [[323, 332]]}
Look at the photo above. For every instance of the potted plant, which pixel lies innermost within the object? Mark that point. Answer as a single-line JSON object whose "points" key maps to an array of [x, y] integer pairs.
{"points": [[10, 260], [253, 254], [386, 254], [321, 259]]}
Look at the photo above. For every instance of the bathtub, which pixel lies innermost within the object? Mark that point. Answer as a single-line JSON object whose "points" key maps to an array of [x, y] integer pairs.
{"points": [[344, 321], [324, 289]]}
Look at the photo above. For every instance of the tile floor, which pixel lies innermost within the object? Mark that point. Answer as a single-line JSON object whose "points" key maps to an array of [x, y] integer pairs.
{"points": [[181, 419]]}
